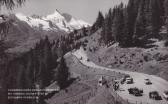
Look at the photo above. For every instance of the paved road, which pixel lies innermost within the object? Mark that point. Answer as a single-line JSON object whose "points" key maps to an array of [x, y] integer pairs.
{"points": [[159, 84]]}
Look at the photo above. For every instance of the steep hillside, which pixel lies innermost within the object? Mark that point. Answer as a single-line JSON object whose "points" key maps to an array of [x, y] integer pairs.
{"points": [[152, 60], [22, 36], [132, 37]]}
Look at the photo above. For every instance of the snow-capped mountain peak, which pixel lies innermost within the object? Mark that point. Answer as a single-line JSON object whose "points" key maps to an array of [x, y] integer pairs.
{"points": [[33, 22], [54, 21], [75, 23], [55, 15]]}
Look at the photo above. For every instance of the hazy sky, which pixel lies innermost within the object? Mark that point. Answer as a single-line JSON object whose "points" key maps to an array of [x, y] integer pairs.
{"points": [[82, 9]]}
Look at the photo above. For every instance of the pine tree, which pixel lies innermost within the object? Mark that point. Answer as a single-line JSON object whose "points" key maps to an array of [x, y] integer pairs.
{"points": [[166, 7], [109, 23], [62, 74], [140, 26], [166, 13], [10, 4], [166, 19], [48, 62], [104, 33], [154, 17], [3, 48], [131, 12], [121, 26], [29, 71], [99, 22]]}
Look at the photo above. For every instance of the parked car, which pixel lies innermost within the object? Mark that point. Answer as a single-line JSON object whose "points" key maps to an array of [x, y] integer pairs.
{"points": [[126, 76], [155, 95], [165, 95], [148, 82], [147, 79], [135, 91], [129, 80]]}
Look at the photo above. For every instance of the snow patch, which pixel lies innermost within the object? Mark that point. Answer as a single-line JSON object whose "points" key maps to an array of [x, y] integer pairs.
{"points": [[34, 22]]}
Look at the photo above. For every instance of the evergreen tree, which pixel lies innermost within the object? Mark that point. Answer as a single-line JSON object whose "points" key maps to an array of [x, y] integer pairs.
{"points": [[99, 22], [62, 74], [3, 54], [84, 31], [131, 12], [29, 71], [121, 26], [109, 26], [10, 4], [140, 26], [166, 7], [154, 13], [48, 63], [166, 13], [104, 33]]}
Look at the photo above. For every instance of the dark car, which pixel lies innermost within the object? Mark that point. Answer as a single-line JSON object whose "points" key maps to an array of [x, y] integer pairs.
{"points": [[148, 82], [127, 76], [135, 91], [155, 95]]}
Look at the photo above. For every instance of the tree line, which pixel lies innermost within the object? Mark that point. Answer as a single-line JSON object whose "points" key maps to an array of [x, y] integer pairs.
{"points": [[41, 65], [132, 24]]}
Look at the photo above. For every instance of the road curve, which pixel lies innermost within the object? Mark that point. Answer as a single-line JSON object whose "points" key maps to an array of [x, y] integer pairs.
{"points": [[159, 84]]}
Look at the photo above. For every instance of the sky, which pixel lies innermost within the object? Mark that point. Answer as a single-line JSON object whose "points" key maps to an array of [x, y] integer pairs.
{"points": [[86, 10]]}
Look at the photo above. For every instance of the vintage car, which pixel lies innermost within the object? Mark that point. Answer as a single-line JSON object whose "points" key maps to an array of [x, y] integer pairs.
{"points": [[127, 76], [135, 91], [148, 82], [129, 80], [155, 95]]}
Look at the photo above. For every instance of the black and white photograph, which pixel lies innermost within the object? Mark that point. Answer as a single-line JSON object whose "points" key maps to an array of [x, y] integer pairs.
{"points": [[83, 51]]}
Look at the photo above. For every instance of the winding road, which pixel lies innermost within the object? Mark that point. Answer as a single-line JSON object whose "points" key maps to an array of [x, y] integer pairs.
{"points": [[158, 84]]}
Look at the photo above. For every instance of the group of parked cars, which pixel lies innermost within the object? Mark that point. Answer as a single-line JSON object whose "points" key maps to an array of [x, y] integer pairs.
{"points": [[139, 92], [152, 95]]}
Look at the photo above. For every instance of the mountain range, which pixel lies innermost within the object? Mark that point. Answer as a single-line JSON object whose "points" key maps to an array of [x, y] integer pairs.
{"points": [[26, 31], [54, 21]]}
